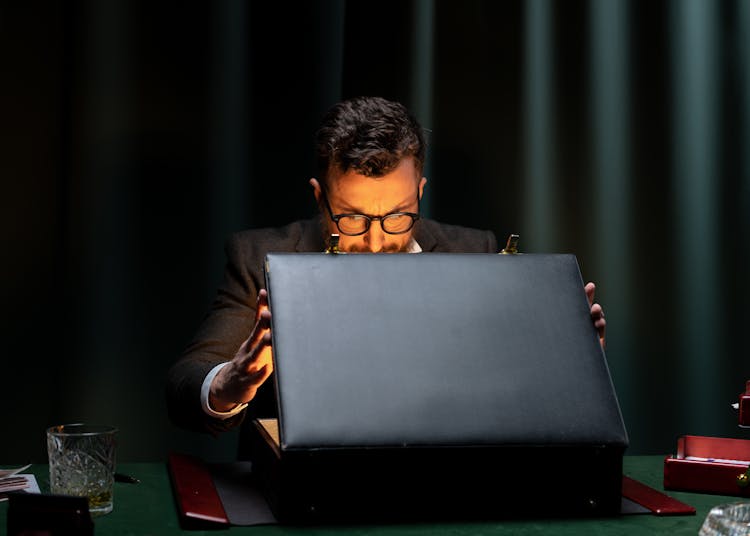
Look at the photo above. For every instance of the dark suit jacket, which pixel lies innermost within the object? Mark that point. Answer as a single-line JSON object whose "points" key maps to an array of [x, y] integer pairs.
{"points": [[232, 314]]}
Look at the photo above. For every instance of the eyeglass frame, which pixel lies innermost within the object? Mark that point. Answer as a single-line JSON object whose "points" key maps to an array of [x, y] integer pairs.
{"points": [[415, 216]]}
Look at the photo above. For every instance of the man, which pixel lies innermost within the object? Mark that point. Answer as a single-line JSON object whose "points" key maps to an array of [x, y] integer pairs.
{"points": [[371, 155]]}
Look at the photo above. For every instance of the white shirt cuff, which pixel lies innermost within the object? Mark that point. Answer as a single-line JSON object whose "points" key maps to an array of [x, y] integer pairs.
{"points": [[205, 390]]}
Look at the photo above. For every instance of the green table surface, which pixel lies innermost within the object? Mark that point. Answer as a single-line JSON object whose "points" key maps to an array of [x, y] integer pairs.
{"points": [[149, 508]]}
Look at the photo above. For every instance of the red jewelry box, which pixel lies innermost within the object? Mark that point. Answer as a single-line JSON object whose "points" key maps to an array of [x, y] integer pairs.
{"points": [[745, 406], [709, 465]]}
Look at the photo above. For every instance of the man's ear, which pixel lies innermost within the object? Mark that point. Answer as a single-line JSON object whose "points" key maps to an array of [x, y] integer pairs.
{"points": [[316, 189], [421, 186]]}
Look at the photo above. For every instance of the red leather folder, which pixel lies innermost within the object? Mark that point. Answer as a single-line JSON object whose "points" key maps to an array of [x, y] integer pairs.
{"points": [[709, 465], [197, 500], [657, 502], [745, 406]]}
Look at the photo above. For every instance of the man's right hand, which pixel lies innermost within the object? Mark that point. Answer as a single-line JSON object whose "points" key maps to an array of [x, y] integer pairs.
{"points": [[239, 380]]}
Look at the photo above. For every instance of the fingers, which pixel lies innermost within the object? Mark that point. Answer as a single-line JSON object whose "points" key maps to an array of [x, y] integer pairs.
{"points": [[263, 297], [590, 289], [255, 353], [259, 336], [597, 315], [600, 323], [259, 355], [262, 322], [258, 365], [261, 304]]}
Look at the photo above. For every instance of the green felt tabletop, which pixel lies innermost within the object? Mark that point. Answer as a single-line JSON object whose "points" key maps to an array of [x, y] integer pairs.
{"points": [[149, 508]]}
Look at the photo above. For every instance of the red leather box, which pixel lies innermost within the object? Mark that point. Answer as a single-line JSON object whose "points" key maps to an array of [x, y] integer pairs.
{"points": [[745, 406], [709, 465]]}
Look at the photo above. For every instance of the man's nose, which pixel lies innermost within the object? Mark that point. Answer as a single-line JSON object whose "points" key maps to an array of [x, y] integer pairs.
{"points": [[375, 237]]}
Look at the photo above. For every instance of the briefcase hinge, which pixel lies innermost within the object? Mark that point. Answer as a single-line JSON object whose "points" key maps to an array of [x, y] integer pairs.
{"points": [[511, 247]]}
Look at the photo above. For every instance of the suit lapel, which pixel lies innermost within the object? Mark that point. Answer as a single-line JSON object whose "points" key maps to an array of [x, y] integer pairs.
{"points": [[311, 238], [424, 236]]}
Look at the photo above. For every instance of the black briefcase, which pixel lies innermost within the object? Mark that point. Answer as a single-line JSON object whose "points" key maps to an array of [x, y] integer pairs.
{"points": [[434, 387]]}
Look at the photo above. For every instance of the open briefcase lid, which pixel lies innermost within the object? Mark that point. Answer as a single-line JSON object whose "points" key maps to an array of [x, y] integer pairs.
{"points": [[437, 349]]}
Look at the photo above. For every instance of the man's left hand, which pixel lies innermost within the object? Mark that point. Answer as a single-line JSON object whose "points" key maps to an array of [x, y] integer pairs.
{"points": [[597, 313]]}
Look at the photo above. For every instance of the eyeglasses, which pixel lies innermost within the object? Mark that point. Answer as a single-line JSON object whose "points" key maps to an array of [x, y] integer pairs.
{"points": [[358, 224]]}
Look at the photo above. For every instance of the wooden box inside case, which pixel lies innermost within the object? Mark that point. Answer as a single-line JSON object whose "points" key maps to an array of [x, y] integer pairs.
{"points": [[709, 465]]}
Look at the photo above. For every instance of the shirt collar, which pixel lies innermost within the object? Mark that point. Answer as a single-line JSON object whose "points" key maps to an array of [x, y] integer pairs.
{"points": [[413, 246]]}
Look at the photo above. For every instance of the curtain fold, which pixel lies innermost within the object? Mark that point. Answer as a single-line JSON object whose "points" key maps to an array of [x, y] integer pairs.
{"points": [[145, 133]]}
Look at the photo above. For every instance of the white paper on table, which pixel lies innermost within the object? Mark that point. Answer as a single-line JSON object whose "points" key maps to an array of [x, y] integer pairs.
{"points": [[5, 473], [29, 486]]}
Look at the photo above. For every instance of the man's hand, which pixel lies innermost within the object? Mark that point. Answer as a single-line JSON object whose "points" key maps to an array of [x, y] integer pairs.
{"points": [[597, 313], [240, 379]]}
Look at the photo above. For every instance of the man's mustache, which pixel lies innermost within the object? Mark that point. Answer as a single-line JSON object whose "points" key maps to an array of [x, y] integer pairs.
{"points": [[387, 248]]}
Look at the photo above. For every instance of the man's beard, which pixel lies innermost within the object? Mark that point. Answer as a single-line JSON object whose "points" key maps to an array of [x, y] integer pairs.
{"points": [[387, 248]]}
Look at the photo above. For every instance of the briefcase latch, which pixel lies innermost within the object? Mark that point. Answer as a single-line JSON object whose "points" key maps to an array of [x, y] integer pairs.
{"points": [[743, 480], [333, 244], [511, 247]]}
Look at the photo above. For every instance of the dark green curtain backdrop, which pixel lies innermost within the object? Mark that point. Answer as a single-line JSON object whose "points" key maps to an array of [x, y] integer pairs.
{"points": [[137, 135]]}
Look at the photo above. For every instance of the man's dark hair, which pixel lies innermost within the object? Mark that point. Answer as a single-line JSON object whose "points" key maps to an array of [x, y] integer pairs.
{"points": [[369, 135]]}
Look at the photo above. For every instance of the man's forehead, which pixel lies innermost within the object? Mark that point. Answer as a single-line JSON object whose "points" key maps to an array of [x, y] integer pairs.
{"points": [[404, 177], [366, 198]]}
